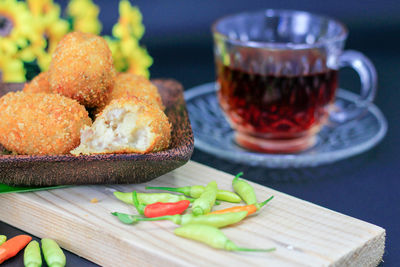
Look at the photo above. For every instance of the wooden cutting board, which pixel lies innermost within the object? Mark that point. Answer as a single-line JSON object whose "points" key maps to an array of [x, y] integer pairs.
{"points": [[303, 233]]}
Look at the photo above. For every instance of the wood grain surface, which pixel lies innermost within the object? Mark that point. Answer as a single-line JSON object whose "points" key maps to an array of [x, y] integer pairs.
{"points": [[303, 233]]}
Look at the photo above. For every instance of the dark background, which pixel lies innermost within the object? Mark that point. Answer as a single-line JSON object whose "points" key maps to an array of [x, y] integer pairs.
{"points": [[365, 186]]}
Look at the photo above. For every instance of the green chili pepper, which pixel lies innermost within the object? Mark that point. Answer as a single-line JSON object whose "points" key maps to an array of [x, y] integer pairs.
{"points": [[146, 198], [196, 190], [244, 190], [53, 254], [206, 201], [212, 236], [216, 220], [3, 239], [32, 256]]}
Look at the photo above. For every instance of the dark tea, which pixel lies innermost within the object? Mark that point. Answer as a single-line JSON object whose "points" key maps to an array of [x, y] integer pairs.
{"points": [[276, 107]]}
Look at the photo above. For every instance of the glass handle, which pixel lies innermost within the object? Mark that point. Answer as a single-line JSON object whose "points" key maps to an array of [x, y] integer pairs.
{"points": [[368, 77]]}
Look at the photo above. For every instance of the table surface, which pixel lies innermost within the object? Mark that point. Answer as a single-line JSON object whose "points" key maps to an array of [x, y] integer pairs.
{"points": [[364, 186]]}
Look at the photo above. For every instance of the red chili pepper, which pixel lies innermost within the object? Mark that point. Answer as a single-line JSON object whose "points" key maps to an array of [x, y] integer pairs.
{"points": [[163, 209], [12, 246], [160, 208]]}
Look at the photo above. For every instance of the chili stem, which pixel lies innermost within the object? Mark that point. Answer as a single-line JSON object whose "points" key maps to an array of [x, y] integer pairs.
{"points": [[173, 189], [255, 249], [262, 204], [169, 217], [237, 176], [178, 190]]}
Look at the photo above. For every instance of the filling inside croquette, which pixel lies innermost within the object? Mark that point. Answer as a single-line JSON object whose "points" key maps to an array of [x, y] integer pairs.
{"points": [[118, 129], [126, 125]]}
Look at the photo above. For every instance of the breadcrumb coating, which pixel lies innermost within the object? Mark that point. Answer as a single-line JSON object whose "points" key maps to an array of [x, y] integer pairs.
{"points": [[128, 84], [126, 125], [82, 68], [39, 84], [40, 123]]}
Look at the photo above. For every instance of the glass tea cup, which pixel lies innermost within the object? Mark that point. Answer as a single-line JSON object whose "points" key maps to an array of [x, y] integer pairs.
{"points": [[277, 74]]}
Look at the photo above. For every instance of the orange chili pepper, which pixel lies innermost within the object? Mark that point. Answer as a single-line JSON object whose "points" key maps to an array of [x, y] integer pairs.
{"points": [[249, 208], [11, 247]]}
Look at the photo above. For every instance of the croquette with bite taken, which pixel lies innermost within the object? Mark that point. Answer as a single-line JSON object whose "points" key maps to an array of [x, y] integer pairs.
{"points": [[126, 125]]}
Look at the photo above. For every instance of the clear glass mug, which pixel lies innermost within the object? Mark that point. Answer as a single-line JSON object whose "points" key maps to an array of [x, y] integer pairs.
{"points": [[277, 74]]}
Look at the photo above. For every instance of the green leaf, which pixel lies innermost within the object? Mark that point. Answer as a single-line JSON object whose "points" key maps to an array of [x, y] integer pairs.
{"points": [[20, 189]]}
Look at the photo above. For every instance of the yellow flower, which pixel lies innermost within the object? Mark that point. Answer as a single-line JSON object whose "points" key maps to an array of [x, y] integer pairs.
{"points": [[128, 55], [11, 70], [84, 14], [18, 15], [140, 62], [129, 23], [15, 37], [43, 60], [49, 27]]}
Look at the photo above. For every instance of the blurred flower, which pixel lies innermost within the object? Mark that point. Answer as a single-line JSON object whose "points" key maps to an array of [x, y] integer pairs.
{"points": [[15, 37], [50, 28], [129, 23], [12, 69], [128, 55], [84, 15]]}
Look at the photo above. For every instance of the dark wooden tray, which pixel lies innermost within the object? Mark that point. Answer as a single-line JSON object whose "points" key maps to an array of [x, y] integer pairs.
{"points": [[110, 168]]}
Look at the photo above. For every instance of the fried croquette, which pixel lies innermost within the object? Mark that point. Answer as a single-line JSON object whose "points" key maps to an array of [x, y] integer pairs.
{"points": [[41, 124], [128, 84], [39, 84], [82, 69], [126, 125]]}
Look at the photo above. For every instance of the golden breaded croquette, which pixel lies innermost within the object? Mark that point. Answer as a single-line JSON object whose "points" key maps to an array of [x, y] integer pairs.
{"points": [[129, 84], [41, 124], [126, 125], [39, 84], [82, 69]]}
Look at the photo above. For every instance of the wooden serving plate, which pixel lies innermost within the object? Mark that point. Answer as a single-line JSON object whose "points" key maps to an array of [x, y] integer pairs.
{"points": [[110, 168]]}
